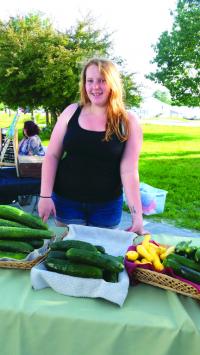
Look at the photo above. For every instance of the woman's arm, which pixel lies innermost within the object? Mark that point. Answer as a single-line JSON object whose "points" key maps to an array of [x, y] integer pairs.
{"points": [[34, 145], [50, 163], [130, 174]]}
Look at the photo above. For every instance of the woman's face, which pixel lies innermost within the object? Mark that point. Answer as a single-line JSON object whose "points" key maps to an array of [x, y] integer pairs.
{"points": [[96, 87], [25, 132]]}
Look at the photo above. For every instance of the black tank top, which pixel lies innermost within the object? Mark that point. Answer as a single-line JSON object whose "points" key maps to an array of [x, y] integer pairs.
{"points": [[89, 170]]}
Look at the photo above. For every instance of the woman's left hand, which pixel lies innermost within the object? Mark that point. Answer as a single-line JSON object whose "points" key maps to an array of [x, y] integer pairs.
{"points": [[137, 226]]}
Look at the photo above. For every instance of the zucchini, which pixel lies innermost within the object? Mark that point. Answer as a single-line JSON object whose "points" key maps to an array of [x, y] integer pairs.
{"points": [[6, 222], [25, 233], [68, 244], [10, 255], [12, 245], [103, 261], [18, 215], [182, 260], [190, 274], [68, 268]]}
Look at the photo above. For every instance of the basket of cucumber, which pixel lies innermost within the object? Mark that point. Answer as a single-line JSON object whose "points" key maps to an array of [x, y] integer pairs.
{"points": [[89, 262], [24, 238]]}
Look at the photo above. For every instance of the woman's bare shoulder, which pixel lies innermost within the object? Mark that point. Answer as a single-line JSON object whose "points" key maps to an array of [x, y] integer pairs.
{"points": [[133, 117], [68, 112]]}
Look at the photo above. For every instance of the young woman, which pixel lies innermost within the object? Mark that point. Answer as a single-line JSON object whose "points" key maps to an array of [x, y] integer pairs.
{"points": [[31, 143], [93, 152]]}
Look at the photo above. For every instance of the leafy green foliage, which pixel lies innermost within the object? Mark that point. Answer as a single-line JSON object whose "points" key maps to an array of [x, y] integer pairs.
{"points": [[40, 66], [177, 55]]}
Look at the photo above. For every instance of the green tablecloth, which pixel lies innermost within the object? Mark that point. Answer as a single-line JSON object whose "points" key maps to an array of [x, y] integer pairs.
{"points": [[152, 321]]}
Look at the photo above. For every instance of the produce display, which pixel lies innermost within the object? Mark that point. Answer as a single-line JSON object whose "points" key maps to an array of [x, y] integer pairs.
{"points": [[20, 233], [181, 260], [82, 259]]}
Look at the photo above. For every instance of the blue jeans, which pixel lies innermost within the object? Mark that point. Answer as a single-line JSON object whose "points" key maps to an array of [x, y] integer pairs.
{"points": [[104, 214]]}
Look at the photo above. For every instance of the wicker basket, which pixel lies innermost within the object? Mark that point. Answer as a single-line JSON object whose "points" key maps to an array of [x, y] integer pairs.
{"points": [[164, 281], [26, 265]]}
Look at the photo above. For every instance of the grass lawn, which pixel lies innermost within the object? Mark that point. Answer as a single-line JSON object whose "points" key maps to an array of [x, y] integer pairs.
{"points": [[170, 160]]}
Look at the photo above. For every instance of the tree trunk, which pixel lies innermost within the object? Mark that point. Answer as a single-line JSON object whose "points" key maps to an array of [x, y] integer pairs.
{"points": [[32, 116], [53, 118], [47, 118]]}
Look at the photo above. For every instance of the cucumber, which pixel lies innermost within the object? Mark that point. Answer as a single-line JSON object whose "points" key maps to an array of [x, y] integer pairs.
{"points": [[110, 276], [37, 243], [67, 244], [18, 215], [6, 222], [182, 260], [57, 254], [10, 255], [25, 233], [173, 264], [190, 274], [73, 269], [103, 261], [182, 270], [11, 245], [119, 258], [100, 248]]}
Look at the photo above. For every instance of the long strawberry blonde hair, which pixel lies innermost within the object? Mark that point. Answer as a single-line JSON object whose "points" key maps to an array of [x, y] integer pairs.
{"points": [[117, 118]]}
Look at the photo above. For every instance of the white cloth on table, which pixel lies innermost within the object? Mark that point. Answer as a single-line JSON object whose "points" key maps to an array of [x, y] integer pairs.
{"points": [[115, 243]]}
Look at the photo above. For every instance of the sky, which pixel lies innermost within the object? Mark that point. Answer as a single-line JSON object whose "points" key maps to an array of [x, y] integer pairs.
{"points": [[136, 24]]}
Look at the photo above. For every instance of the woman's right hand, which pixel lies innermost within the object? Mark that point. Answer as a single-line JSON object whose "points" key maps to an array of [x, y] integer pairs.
{"points": [[46, 208]]}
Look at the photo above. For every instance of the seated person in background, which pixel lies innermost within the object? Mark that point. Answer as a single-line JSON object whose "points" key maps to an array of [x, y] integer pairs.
{"points": [[31, 143]]}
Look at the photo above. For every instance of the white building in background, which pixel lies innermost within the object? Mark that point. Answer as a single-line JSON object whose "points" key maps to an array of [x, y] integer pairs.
{"points": [[152, 107]]}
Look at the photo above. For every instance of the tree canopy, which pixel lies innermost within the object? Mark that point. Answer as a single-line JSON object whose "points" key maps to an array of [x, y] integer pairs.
{"points": [[40, 66], [177, 55], [163, 96]]}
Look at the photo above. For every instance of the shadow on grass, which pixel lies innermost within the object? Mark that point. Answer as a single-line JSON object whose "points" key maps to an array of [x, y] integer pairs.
{"points": [[170, 154], [169, 137]]}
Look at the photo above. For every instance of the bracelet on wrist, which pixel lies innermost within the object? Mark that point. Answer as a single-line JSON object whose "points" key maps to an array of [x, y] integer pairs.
{"points": [[132, 210], [45, 196]]}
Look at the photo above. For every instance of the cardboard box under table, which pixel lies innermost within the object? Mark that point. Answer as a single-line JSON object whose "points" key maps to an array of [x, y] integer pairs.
{"points": [[30, 166]]}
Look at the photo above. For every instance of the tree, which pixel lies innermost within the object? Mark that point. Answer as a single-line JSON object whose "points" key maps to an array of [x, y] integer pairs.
{"points": [[25, 44], [177, 55], [40, 66]]}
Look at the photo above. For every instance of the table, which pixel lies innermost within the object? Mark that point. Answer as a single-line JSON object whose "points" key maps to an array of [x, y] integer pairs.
{"points": [[152, 321], [11, 186]]}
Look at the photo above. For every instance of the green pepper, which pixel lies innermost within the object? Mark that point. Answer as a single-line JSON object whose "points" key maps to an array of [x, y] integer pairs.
{"points": [[186, 249]]}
